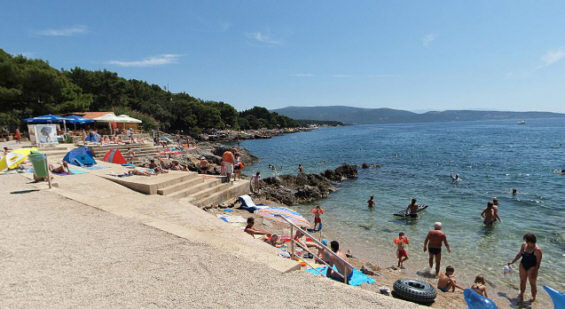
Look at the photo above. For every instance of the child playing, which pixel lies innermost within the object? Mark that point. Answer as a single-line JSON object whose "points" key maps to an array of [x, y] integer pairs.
{"points": [[446, 280], [317, 219], [480, 286], [399, 242]]}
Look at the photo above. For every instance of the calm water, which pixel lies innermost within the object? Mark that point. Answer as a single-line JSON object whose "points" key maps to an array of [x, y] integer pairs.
{"points": [[492, 158]]}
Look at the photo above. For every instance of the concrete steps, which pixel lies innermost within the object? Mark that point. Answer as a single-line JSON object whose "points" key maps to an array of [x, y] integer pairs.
{"points": [[226, 192], [179, 186], [197, 188]]}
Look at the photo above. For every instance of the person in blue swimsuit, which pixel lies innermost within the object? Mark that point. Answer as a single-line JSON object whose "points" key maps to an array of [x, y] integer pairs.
{"points": [[529, 264]]}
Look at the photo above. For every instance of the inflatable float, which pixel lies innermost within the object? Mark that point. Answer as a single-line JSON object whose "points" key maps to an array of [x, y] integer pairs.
{"points": [[403, 213], [415, 291], [476, 301], [557, 297]]}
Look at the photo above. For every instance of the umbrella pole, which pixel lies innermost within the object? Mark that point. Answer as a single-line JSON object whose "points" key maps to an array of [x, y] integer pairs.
{"points": [[292, 240], [48, 172]]}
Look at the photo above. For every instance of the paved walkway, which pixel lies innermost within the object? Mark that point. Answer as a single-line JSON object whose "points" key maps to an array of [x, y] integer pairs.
{"points": [[56, 252]]}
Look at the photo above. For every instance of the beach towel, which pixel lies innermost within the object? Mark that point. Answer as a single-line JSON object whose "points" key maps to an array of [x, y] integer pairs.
{"points": [[232, 219], [95, 167], [74, 171], [357, 279], [128, 165], [248, 204]]}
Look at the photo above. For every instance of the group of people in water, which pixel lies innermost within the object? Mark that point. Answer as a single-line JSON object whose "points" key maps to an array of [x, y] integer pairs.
{"points": [[530, 255]]}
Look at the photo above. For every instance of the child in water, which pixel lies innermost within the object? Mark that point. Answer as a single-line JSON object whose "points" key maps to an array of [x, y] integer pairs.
{"points": [[399, 242]]}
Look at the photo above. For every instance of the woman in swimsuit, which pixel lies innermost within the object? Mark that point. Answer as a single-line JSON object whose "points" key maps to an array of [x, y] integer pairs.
{"points": [[529, 265]]}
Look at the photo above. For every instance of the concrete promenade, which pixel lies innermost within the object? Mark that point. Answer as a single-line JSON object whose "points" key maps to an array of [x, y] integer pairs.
{"points": [[93, 243]]}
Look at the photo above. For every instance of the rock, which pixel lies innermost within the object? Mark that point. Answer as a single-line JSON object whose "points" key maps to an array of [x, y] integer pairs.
{"points": [[304, 188], [364, 165]]}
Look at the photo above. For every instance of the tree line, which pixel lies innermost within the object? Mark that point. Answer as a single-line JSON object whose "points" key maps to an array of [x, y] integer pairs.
{"points": [[31, 87]]}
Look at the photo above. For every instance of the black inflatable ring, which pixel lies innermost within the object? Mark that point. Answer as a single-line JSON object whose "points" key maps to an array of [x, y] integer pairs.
{"points": [[415, 290]]}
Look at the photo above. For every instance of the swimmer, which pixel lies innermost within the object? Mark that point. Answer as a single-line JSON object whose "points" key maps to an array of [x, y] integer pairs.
{"points": [[371, 202], [514, 191]]}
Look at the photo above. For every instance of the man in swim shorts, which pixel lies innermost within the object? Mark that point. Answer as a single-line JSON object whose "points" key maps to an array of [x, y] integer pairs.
{"points": [[489, 215], [251, 231], [342, 267], [412, 209], [228, 160], [435, 239], [446, 281]]}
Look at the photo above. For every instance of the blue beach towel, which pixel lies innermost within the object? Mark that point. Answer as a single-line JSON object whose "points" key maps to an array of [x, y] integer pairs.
{"points": [[356, 280], [95, 167]]}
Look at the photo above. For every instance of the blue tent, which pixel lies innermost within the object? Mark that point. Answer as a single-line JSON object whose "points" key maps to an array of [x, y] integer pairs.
{"points": [[74, 119], [93, 137], [45, 119], [80, 157]]}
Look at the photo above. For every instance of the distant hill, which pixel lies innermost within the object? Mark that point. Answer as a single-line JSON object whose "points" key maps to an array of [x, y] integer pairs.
{"points": [[355, 115]]}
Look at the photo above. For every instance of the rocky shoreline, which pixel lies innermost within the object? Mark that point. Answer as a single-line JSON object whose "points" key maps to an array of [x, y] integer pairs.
{"points": [[304, 188]]}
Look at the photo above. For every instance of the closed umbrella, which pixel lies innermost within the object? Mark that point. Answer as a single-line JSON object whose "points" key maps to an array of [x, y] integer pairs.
{"points": [[270, 213]]}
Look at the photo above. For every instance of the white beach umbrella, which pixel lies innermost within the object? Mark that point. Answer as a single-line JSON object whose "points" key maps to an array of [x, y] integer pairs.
{"points": [[129, 119]]}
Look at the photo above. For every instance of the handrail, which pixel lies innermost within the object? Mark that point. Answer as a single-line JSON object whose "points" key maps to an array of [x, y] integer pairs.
{"points": [[292, 225]]}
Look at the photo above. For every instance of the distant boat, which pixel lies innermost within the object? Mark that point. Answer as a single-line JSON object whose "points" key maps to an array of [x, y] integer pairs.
{"points": [[522, 122]]}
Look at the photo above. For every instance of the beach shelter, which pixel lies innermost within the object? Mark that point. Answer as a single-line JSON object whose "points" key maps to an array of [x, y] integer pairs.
{"points": [[114, 156], [11, 161], [128, 119], [80, 157], [74, 119]]}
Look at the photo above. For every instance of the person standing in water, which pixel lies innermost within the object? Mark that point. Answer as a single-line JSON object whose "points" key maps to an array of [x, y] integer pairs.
{"points": [[435, 239], [399, 242], [412, 209], [371, 202], [529, 265], [489, 215]]}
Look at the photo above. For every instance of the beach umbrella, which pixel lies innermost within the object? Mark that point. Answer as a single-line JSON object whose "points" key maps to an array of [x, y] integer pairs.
{"points": [[23, 151], [11, 161], [270, 213], [74, 119], [45, 119], [128, 119]]}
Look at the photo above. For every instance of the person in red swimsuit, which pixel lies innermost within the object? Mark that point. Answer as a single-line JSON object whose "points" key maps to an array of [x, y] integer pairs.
{"points": [[317, 219]]}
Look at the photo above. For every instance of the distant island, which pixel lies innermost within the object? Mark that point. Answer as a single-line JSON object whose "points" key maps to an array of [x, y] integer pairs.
{"points": [[355, 115]]}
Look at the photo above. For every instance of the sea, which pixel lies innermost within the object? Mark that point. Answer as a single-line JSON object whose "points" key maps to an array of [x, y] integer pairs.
{"points": [[417, 160]]}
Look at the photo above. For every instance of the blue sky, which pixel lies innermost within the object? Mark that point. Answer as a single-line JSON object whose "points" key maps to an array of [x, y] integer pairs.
{"points": [[413, 55]]}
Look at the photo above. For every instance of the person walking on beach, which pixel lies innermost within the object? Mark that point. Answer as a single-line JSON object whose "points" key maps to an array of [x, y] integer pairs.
{"points": [[371, 202], [342, 267], [317, 219], [399, 242], [435, 239], [529, 265], [255, 182], [412, 209], [489, 215], [18, 136], [228, 161]]}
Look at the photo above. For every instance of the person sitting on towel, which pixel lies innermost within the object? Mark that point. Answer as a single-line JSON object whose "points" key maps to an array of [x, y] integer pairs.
{"points": [[251, 231], [342, 267]]}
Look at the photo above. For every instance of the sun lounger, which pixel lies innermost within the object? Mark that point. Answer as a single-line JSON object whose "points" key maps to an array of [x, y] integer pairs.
{"points": [[248, 204]]}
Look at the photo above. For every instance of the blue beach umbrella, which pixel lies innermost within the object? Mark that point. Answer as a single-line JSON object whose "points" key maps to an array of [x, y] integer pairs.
{"points": [[45, 119], [74, 119]]}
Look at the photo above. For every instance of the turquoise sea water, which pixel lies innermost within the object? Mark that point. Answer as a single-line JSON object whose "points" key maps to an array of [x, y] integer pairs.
{"points": [[492, 158]]}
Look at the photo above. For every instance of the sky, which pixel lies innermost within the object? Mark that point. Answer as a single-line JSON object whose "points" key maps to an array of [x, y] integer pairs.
{"points": [[411, 55]]}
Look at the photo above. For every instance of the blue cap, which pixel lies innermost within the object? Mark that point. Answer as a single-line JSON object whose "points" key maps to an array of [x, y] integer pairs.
{"points": [[324, 242]]}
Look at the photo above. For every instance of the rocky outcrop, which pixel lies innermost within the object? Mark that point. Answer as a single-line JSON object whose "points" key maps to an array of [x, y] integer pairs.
{"points": [[304, 188]]}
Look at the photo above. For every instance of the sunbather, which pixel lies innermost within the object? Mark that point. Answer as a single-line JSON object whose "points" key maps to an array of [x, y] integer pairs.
{"points": [[251, 231], [64, 168], [154, 166], [140, 172], [274, 241]]}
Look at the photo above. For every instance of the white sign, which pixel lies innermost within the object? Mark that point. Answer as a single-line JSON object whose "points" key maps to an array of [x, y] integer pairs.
{"points": [[45, 134]]}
